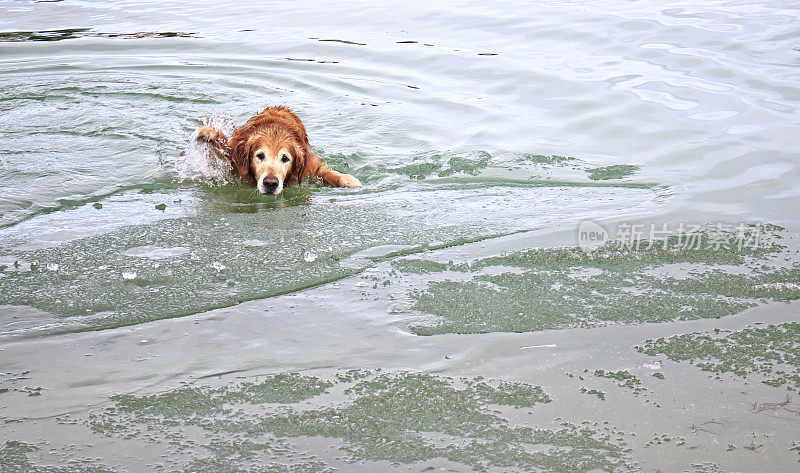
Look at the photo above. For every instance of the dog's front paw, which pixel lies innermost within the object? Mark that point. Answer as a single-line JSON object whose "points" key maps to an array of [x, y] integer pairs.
{"points": [[208, 134], [348, 181]]}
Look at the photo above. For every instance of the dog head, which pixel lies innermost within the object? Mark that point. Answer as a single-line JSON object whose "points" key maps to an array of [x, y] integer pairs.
{"points": [[269, 158]]}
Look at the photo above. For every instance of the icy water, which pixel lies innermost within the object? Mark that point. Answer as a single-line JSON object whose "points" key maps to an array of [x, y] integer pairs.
{"points": [[158, 316]]}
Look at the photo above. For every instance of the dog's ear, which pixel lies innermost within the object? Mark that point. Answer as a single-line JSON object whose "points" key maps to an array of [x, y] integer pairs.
{"points": [[299, 163], [240, 157]]}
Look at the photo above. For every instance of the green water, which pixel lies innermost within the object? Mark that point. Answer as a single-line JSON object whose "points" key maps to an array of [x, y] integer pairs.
{"points": [[156, 315], [544, 289]]}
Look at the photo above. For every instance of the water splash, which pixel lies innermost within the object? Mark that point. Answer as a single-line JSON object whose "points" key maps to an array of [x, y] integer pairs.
{"points": [[198, 163]]}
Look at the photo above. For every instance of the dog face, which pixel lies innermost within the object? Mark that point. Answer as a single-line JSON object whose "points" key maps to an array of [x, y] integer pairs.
{"points": [[270, 158], [271, 163]]}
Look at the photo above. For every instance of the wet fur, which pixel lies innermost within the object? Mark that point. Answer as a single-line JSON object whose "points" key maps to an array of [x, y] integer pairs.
{"points": [[274, 132]]}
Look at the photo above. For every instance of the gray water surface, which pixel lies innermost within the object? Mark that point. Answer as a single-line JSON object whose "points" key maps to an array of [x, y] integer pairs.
{"points": [[156, 315]]}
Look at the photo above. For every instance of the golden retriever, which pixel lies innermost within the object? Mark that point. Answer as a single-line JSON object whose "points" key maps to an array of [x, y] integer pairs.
{"points": [[271, 151]]}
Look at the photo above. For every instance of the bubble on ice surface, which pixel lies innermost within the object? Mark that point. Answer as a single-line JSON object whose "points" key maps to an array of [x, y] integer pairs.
{"points": [[218, 266], [653, 365], [52, 267], [309, 256]]}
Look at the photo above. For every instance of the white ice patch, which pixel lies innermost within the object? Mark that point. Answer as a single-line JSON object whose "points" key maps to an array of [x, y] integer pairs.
{"points": [[779, 285], [199, 162], [155, 252]]}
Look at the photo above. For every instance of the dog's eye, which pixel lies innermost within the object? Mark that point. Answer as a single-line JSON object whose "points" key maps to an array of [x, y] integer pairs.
{"points": [[285, 158], [260, 156]]}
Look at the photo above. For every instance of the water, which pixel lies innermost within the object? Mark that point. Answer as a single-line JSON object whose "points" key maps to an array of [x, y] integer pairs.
{"points": [[158, 316]]}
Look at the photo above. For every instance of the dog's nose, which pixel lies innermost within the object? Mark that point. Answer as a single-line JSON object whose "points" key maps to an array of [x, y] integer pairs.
{"points": [[270, 184]]}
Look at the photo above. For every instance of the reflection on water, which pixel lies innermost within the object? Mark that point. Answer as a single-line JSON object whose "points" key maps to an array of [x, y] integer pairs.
{"points": [[72, 33], [483, 134], [240, 199]]}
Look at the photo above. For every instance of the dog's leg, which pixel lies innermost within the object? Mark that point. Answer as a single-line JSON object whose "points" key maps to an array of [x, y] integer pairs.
{"points": [[331, 177], [216, 139], [338, 179]]}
